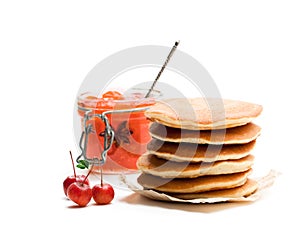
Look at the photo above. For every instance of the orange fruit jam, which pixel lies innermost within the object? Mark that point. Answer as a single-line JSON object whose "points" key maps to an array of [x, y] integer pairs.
{"points": [[130, 129]]}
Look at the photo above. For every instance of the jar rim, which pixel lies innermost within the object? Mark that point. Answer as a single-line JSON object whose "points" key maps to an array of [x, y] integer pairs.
{"points": [[132, 100], [154, 95]]}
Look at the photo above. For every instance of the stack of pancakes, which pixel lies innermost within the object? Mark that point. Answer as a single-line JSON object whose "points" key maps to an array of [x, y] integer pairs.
{"points": [[200, 148]]}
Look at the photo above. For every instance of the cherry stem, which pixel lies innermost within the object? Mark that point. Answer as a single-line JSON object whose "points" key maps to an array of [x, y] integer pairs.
{"points": [[73, 165], [101, 177], [88, 174]]}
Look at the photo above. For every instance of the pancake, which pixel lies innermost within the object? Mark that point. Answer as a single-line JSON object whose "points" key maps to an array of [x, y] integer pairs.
{"points": [[203, 113], [193, 185], [150, 164], [236, 135], [242, 191], [187, 152]]}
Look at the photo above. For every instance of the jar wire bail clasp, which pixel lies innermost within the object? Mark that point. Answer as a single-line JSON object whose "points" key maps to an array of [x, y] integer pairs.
{"points": [[108, 134]]}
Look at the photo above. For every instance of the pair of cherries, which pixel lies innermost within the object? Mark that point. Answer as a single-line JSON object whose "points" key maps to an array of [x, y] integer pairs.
{"points": [[77, 188]]}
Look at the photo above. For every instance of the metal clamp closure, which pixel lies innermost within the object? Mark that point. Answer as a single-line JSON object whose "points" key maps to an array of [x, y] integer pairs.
{"points": [[108, 133]]}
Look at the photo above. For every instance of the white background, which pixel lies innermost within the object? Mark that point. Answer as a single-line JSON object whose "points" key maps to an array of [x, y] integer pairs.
{"points": [[251, 49]]}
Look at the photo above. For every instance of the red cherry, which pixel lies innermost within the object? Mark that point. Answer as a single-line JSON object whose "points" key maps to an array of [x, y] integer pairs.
{"points": [[71, 179], [80, 193], [103, 194], [113, 95]]}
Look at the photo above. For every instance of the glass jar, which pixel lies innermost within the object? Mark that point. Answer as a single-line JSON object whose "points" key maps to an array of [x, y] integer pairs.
{"points": [[125, 116]]}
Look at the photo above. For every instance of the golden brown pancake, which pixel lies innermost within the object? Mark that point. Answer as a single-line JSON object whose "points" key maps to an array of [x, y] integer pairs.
{"points": [[150, 164], [187, 152], [236, 135], [203, 113], [242, 191], [193, 185]]}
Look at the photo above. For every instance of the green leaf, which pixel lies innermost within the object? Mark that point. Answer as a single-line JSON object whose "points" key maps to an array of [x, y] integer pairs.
{"points": [[82, 164], [85, 163]]}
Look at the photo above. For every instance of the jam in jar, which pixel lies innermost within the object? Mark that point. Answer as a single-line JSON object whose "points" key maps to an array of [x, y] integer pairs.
{"points": [[130, 127]]}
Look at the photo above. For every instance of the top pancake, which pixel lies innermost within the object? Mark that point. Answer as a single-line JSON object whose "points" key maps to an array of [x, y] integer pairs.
{"points": [[203, 113]]}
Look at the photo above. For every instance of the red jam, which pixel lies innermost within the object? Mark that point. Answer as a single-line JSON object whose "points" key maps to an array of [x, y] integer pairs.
{"points": [[131, 129]]}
